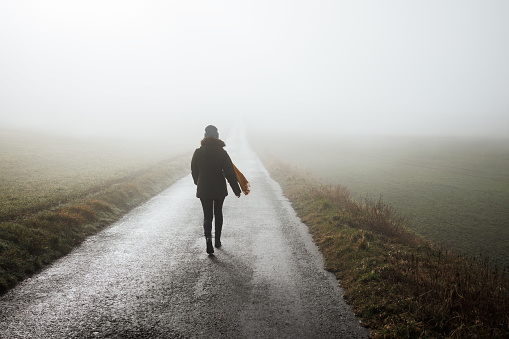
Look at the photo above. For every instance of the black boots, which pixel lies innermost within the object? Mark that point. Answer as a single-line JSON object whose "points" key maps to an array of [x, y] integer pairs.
{"points": [[210, 249], [217, 241]]}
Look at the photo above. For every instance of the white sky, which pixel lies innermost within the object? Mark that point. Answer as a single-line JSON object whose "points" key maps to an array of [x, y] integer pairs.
{"points": [[152, 68]]}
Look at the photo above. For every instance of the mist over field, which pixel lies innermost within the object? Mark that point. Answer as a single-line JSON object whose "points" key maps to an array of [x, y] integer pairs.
{"points": [[384, 123], [163, 70], [364, 93]]}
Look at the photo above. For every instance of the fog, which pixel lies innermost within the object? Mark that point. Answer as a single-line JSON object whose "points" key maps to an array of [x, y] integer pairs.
{"points": [[166, 69]]}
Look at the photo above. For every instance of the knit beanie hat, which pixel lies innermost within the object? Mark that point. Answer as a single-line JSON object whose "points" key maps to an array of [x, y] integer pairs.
{"points": [[211, 132]]}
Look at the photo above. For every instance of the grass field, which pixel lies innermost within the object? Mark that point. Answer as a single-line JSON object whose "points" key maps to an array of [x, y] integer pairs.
{"points": [[56, 191], [400, 285], [40, 171], [453, 191]]}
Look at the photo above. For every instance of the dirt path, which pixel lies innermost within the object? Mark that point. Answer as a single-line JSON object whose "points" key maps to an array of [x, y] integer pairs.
{"points": [[148, 275]]}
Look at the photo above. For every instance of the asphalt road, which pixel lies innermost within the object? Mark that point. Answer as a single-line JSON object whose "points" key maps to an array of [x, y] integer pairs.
{"points": [[148, 275]]}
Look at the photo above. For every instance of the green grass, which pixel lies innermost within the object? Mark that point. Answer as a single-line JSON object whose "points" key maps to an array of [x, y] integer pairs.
{"points": [[54, 192], [453, 191], [40, 171], [399, 284]]}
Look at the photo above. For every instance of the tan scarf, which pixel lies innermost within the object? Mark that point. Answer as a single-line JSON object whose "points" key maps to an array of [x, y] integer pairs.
{"points": [[244, 184]]}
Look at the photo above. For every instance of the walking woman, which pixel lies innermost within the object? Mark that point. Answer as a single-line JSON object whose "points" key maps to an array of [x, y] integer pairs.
{"points": [[209, 167]]}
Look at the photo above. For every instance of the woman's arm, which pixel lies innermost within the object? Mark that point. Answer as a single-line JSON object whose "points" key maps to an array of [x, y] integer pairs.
{"points": [[230, 175], [194, 168]]}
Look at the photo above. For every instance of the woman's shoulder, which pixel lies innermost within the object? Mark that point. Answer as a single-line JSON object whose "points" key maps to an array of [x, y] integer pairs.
{"points": [[213, 142]]}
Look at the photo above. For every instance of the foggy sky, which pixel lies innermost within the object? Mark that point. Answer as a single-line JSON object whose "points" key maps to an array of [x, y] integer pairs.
{"points": [[158, 68]]}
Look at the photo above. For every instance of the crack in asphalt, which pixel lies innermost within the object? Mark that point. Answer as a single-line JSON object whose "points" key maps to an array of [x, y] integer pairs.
{"points": [[148, 275]]}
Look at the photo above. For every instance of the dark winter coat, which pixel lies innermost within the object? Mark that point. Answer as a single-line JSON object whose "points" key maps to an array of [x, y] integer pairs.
{"points": [[209, 167]]}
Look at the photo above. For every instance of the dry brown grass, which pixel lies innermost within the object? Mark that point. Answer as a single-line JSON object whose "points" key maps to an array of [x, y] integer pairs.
{"points": [[34, 239], [399, 284]]}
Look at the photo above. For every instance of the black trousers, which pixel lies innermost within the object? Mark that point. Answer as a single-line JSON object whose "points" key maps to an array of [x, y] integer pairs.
{"points": [[212, 208]]}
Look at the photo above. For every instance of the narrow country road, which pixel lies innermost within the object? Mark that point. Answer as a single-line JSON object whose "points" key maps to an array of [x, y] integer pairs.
{"points": [[148, 275]]}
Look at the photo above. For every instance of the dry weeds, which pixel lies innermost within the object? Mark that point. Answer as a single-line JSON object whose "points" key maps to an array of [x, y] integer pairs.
{"points": [[399, 284]]}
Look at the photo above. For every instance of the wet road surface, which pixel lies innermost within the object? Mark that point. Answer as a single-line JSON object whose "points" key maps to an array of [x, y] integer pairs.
{"points": [[148, 275]]}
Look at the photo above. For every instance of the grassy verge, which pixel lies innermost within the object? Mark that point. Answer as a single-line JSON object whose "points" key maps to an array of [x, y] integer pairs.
{"points": [[40, 235], [56, 190], [41, 171], [454, 191], [397, 283]]}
